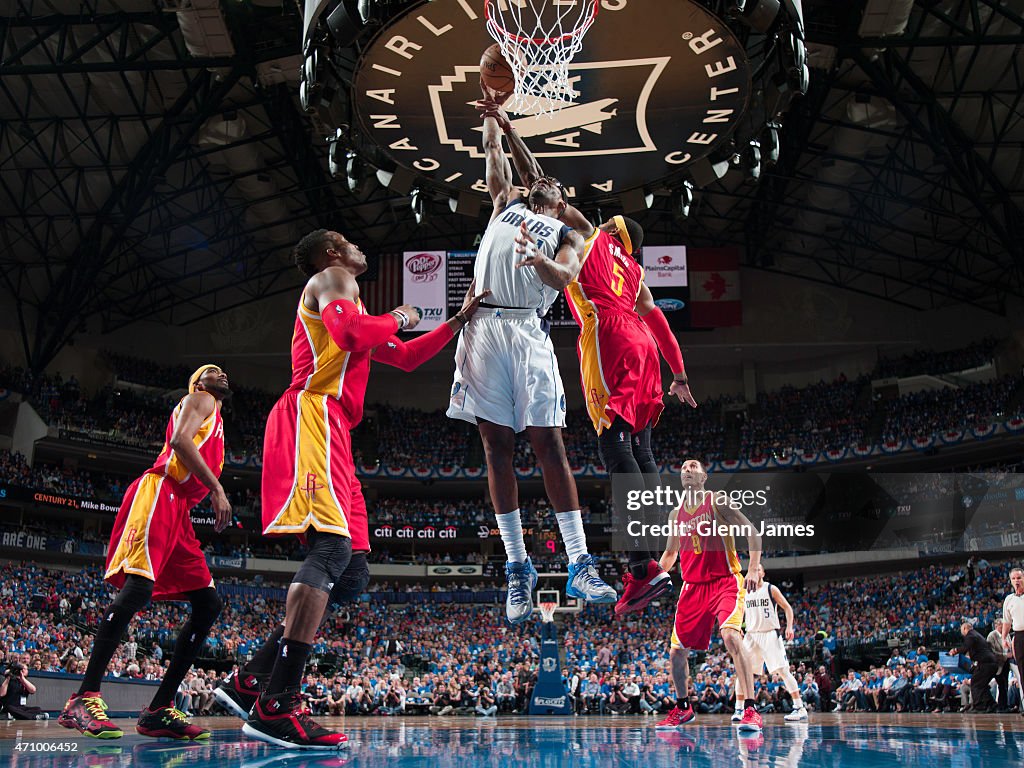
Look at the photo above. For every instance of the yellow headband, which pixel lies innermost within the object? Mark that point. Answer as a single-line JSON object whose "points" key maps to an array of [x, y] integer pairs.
{"points": [[194, 378], [620, 224]]}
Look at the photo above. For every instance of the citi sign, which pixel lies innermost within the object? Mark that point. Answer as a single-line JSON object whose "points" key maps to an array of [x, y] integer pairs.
{"points": [[409, 532]]}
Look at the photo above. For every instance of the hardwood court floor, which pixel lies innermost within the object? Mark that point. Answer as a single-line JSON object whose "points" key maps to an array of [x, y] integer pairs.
{"points": [[841, 741]]}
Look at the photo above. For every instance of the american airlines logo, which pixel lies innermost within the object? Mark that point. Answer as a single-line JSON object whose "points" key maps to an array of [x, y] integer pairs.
{"points": [[632, 114]]}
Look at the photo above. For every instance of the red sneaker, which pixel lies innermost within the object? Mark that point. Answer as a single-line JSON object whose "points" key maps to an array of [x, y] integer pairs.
{"points": [[676, 718], [86, 713], [237, 693], [284, 721], [169, 723], [751, 720], [637, 593]]}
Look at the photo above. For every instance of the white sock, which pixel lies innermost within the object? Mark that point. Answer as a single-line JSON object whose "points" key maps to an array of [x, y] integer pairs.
{"points": [[511, 527], [575, 540]]}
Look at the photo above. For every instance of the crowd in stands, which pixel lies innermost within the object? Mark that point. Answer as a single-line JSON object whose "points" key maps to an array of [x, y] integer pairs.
{"points": [[935, 363], [835, 414], [385, 657]]}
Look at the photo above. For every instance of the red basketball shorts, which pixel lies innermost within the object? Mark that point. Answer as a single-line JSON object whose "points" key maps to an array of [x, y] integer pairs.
{"points": [[309, 478], [153, 538], [703, 603]]}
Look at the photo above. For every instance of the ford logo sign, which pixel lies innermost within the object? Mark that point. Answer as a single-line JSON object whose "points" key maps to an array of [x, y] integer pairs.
{"points": [[670, 305], [442, 569]]}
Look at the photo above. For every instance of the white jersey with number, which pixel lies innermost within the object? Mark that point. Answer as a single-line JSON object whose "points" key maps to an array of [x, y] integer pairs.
{"points": [[496, 259], [761, 614]]}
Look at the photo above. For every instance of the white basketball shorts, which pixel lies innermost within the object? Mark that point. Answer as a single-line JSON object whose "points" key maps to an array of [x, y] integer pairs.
{"points": [[506, 372]]}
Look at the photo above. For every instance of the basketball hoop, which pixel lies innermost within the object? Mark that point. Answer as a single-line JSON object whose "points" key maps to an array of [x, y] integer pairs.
{"points": [[547, 611], [539, 38]]}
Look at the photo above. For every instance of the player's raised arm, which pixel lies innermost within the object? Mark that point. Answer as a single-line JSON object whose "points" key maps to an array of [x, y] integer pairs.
{"points": [[498, 170], [559, 271], [783, 603], [671, 553], [731, 516]]}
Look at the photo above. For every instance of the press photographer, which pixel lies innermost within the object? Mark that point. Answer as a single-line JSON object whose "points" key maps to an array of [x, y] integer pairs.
{"points": [[15, 689]]}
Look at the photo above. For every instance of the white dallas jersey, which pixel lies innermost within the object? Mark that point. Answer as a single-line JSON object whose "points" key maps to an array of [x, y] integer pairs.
{"points": [[760, 614], [496, 260]]}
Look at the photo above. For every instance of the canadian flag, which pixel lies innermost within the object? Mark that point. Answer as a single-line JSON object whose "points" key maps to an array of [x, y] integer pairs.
{"points": [[714, 287]]}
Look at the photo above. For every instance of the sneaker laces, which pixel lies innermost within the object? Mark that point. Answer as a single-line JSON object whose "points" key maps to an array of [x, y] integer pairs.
{"points": [[96, 707], [586, 567], [517, 592], [177, 714]]}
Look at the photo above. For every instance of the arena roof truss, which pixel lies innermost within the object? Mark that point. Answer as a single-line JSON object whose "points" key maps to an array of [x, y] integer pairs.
{"points": [[155, 162]]}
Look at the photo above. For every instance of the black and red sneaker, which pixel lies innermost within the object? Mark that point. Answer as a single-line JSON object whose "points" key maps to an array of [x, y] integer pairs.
{"points": [[284, 721], [238, 692], [637, 593], [169, 723], [87, 713]]}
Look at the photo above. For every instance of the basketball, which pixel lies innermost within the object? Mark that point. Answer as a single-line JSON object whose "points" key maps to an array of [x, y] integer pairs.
{"points": [[495, 72]]}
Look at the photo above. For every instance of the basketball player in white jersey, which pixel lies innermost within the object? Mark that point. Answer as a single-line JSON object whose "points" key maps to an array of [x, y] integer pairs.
{"points": [[764, 647], [506, 374]]}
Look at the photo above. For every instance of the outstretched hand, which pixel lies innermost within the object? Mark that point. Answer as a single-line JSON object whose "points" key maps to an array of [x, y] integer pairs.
{"points": [[681, 390], [494, 97], [471, 301]]}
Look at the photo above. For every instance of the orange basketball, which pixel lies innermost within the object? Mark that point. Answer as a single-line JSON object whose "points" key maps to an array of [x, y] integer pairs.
{"points": [[495, 72]]}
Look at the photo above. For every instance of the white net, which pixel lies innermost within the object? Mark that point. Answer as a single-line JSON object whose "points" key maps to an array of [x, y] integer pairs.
{"points": [[539, 39], [547, 611]]}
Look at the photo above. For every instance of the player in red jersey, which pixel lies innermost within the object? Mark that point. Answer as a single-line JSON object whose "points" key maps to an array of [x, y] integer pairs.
{"points": [[309, 482], [713, 589], [154, 554], [622, 331]]}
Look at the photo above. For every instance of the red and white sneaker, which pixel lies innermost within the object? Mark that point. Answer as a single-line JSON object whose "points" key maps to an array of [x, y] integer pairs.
{"points": [[637, 593], [284, 721], [751, 720], [676, 719]]}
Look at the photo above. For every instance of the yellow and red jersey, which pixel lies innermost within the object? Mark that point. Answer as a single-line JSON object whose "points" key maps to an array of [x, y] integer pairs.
{"points": [[209, 440], [320, 366], [704, 554]]}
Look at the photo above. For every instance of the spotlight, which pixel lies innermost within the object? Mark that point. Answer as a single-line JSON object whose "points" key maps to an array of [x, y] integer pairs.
{"points": [[770, 144], [399, 181], [752, 159], [345, 23], [355, 173], [336, 160], [418, 203], [466, 204], [636, 200], [684, 200], [759, 15]]}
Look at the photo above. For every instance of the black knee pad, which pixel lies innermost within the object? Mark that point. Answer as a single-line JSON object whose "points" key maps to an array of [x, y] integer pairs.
{"points": [[134, 595], [206, 607], [328, 557], [352, 583], [615, 446]]}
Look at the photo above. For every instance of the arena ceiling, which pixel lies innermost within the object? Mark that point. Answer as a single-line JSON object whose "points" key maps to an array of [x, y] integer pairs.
{"points": [[155, 162]]}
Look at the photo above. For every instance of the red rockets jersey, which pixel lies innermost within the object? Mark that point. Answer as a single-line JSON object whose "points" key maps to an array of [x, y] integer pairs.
{"points": [[608, 282], [209, 439], [703, 554], [319, 365]]}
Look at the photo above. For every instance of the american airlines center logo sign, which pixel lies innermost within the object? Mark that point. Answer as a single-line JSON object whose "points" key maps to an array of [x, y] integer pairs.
{"points": [[658, 85]]}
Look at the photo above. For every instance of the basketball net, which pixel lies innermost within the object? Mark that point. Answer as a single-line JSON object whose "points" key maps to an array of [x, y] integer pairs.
{"points": [[547, 611], [539, 38]]}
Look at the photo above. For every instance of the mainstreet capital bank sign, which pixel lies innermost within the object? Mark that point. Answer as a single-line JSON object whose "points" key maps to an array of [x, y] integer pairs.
{"points": [[657, 86]]}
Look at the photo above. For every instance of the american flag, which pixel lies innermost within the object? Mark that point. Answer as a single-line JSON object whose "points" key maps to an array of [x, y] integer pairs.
{"points": [[380, 287]]}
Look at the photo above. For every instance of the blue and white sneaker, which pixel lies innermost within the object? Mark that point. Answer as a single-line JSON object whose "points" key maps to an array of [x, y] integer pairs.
{"points": [[584, 582], [522, 580]]}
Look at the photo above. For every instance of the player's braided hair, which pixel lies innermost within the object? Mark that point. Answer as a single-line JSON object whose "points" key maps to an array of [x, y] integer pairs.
{"points": [[308, 249], [636, 234]]}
